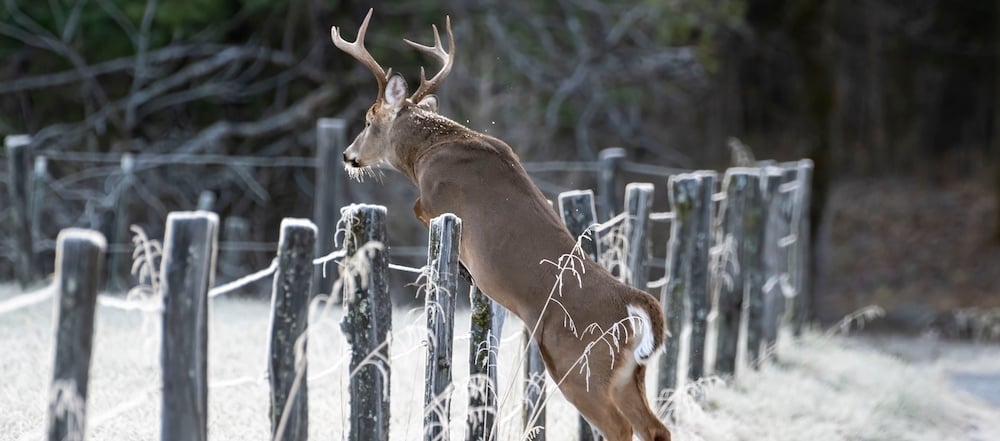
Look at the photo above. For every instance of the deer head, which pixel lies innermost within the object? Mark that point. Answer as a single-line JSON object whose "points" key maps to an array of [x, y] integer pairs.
{"points": [[383, 121]]}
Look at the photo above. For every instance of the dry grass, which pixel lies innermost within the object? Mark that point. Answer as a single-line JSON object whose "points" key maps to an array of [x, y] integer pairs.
{"points": [[819, 389]]}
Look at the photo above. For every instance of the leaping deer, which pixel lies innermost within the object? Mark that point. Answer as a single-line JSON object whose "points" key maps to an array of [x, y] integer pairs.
{"points": [[508, 229]]}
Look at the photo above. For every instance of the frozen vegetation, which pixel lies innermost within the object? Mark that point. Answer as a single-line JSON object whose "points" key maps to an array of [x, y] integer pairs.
{"points": [[818, 388]]}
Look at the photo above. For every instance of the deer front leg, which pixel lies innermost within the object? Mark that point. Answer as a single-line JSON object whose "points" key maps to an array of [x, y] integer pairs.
{"points": [[421, 214]]}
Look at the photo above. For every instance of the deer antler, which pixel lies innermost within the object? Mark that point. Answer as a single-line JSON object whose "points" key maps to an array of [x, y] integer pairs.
{"points": [[358, 51], [437, 51]]}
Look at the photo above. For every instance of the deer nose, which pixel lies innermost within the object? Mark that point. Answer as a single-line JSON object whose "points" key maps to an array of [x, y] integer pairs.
{"points": [[352, 161]]}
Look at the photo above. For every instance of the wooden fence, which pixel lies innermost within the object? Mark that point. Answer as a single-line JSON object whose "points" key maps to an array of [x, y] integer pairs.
{"points": [[736, 257]]}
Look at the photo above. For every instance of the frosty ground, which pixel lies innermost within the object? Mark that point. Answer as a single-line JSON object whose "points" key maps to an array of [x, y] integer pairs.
{"points": [[820, 387]]}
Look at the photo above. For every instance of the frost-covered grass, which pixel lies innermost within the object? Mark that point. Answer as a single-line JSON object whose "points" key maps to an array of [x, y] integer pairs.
{"points": [[819, 388]]}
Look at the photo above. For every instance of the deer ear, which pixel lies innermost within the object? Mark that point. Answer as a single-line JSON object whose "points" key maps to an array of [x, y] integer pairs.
{"points": [[430, 103], [395, 91]]}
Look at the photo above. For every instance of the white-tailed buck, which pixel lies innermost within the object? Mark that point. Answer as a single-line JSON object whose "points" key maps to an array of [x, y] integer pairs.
{"points": [[595, 334]]}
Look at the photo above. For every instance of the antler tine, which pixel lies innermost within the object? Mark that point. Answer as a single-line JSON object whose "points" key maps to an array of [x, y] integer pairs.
{"points": [[358, 51], [437, 51]]}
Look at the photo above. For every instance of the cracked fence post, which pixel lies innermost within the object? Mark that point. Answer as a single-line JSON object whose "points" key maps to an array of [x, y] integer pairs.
{"points": [[577, 211], [186, 273], [287, 366], [79, 267], [368, 320], [484, 340], [442, 259]]}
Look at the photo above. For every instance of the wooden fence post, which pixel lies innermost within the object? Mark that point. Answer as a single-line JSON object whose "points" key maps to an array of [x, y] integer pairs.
{"points": [[186, 273], [484, 341], [331, 139], [638, 205], [778, 242], [120, 262], [533, 410], [686, 296], [235, 229], [38, 191], [290, 296], [741, 185], [442, 259], [803, 302], [368, 321], [700, 296], [79, 262], [206, 201], [19, 162], [610, 160], [577, 210], [755, 273]]}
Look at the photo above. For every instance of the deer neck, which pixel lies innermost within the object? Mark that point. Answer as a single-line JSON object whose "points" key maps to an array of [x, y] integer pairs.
{"points": [[418, 132]]}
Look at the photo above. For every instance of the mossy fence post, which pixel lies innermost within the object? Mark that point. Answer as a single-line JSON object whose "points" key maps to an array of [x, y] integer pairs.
{"points": [[484, 341], [578, 213], [368, 320], [79, 269], [442, 259], [331, 139], [290, 294], [686, 297], [19, 165], [186, 273]]}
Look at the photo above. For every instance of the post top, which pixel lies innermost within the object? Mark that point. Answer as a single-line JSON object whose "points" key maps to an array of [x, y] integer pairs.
{"points": [[14, 141], [82, 235]]}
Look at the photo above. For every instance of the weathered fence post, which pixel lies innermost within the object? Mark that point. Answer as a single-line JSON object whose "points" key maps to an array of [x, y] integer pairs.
{"points": [[368, 320], [235, 229], [331, 139], [484, 341], [577, 210], [120, 262], [778, 240], [19, 158], [610, 160], [638, 205], [755, 243], [801, 267], [40, 182], [79, 261], [534, 387], [186, 273], [290, 296], [741, 185], [442, 259], [206, 200], [686, 296]]}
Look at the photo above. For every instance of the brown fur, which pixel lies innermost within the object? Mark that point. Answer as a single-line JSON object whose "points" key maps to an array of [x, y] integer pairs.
{"points": [[509, 232]]}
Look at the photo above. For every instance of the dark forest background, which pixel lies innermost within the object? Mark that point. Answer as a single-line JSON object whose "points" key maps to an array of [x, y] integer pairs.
{"points": [[896, 101]]}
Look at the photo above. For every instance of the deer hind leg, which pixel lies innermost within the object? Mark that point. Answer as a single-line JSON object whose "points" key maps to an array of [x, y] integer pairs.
{"points": [[592, 399], [630, 396], [597, 406]]}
